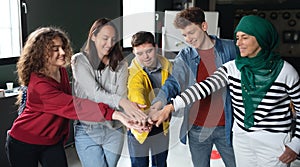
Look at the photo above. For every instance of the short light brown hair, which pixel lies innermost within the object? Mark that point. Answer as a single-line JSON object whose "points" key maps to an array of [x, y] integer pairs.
{"points": [[188, 16]]}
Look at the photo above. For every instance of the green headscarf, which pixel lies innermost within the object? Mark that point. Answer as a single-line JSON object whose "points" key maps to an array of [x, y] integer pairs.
{"points": [[258, 73]]}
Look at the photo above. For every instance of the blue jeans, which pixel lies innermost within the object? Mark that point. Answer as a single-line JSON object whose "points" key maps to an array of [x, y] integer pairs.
{"points": [[201, 141], [98, 145], [156, 141]]}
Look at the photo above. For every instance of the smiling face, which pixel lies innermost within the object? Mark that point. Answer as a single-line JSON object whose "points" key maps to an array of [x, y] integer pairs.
{"points": [[146, 55], [194, 34], [57, 59], [104, 40], [247, 44]]}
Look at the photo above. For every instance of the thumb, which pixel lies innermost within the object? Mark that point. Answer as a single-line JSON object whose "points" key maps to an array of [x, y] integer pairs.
{"points": [[158, 123]]}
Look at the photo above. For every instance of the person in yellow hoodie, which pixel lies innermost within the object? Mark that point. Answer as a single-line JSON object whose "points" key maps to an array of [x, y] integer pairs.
{"points": [[147, 73]]}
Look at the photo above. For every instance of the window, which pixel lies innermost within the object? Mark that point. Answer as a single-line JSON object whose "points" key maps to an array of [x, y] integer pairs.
{"points": [[10, 29], [138, 15]]}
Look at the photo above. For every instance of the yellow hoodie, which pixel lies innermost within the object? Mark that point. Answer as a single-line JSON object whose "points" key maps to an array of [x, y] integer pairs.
{"points": [[140, 89]]}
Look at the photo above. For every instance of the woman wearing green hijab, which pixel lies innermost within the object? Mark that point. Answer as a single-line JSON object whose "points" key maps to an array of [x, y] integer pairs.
{"points": [[261, 85]]}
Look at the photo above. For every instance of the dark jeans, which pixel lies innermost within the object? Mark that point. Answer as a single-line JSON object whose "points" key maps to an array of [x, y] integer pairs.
{"points": [[201, 141], [157, 143], [22, 154]]}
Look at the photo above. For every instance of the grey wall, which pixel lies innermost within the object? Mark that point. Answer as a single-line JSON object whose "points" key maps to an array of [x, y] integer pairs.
{"points": [[74, 16], [7, 73]]}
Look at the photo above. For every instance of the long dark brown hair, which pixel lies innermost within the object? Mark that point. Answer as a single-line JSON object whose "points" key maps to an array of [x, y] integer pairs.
{"points": [[114, 56]]}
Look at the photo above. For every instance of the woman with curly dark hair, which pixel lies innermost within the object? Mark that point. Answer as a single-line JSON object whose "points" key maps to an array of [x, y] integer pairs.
{"points": [[40, 131]]}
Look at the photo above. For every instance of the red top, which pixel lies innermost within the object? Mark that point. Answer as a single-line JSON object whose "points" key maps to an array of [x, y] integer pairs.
{"points": [[211, 109], [49, 107]]}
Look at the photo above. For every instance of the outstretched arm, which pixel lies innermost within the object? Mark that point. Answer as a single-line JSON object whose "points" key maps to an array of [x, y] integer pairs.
{"points": [[195, 92]]}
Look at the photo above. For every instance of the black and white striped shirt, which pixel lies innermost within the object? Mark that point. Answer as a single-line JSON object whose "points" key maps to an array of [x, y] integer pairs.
{"points": [[272, 114]]}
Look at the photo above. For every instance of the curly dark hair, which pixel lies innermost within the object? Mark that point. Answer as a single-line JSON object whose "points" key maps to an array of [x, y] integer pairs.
{"points": [[188, 16], [36, 51]]}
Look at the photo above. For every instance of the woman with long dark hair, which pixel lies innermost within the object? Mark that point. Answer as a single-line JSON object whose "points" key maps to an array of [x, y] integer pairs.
{"points": [[100, 74]]}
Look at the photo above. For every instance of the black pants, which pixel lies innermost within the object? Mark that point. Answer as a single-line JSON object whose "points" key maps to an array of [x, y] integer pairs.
{"points": [[22, 154]]}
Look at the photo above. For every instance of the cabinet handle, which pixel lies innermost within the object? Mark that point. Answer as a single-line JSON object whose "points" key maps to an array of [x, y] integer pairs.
{"points": [[25, 7]]}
